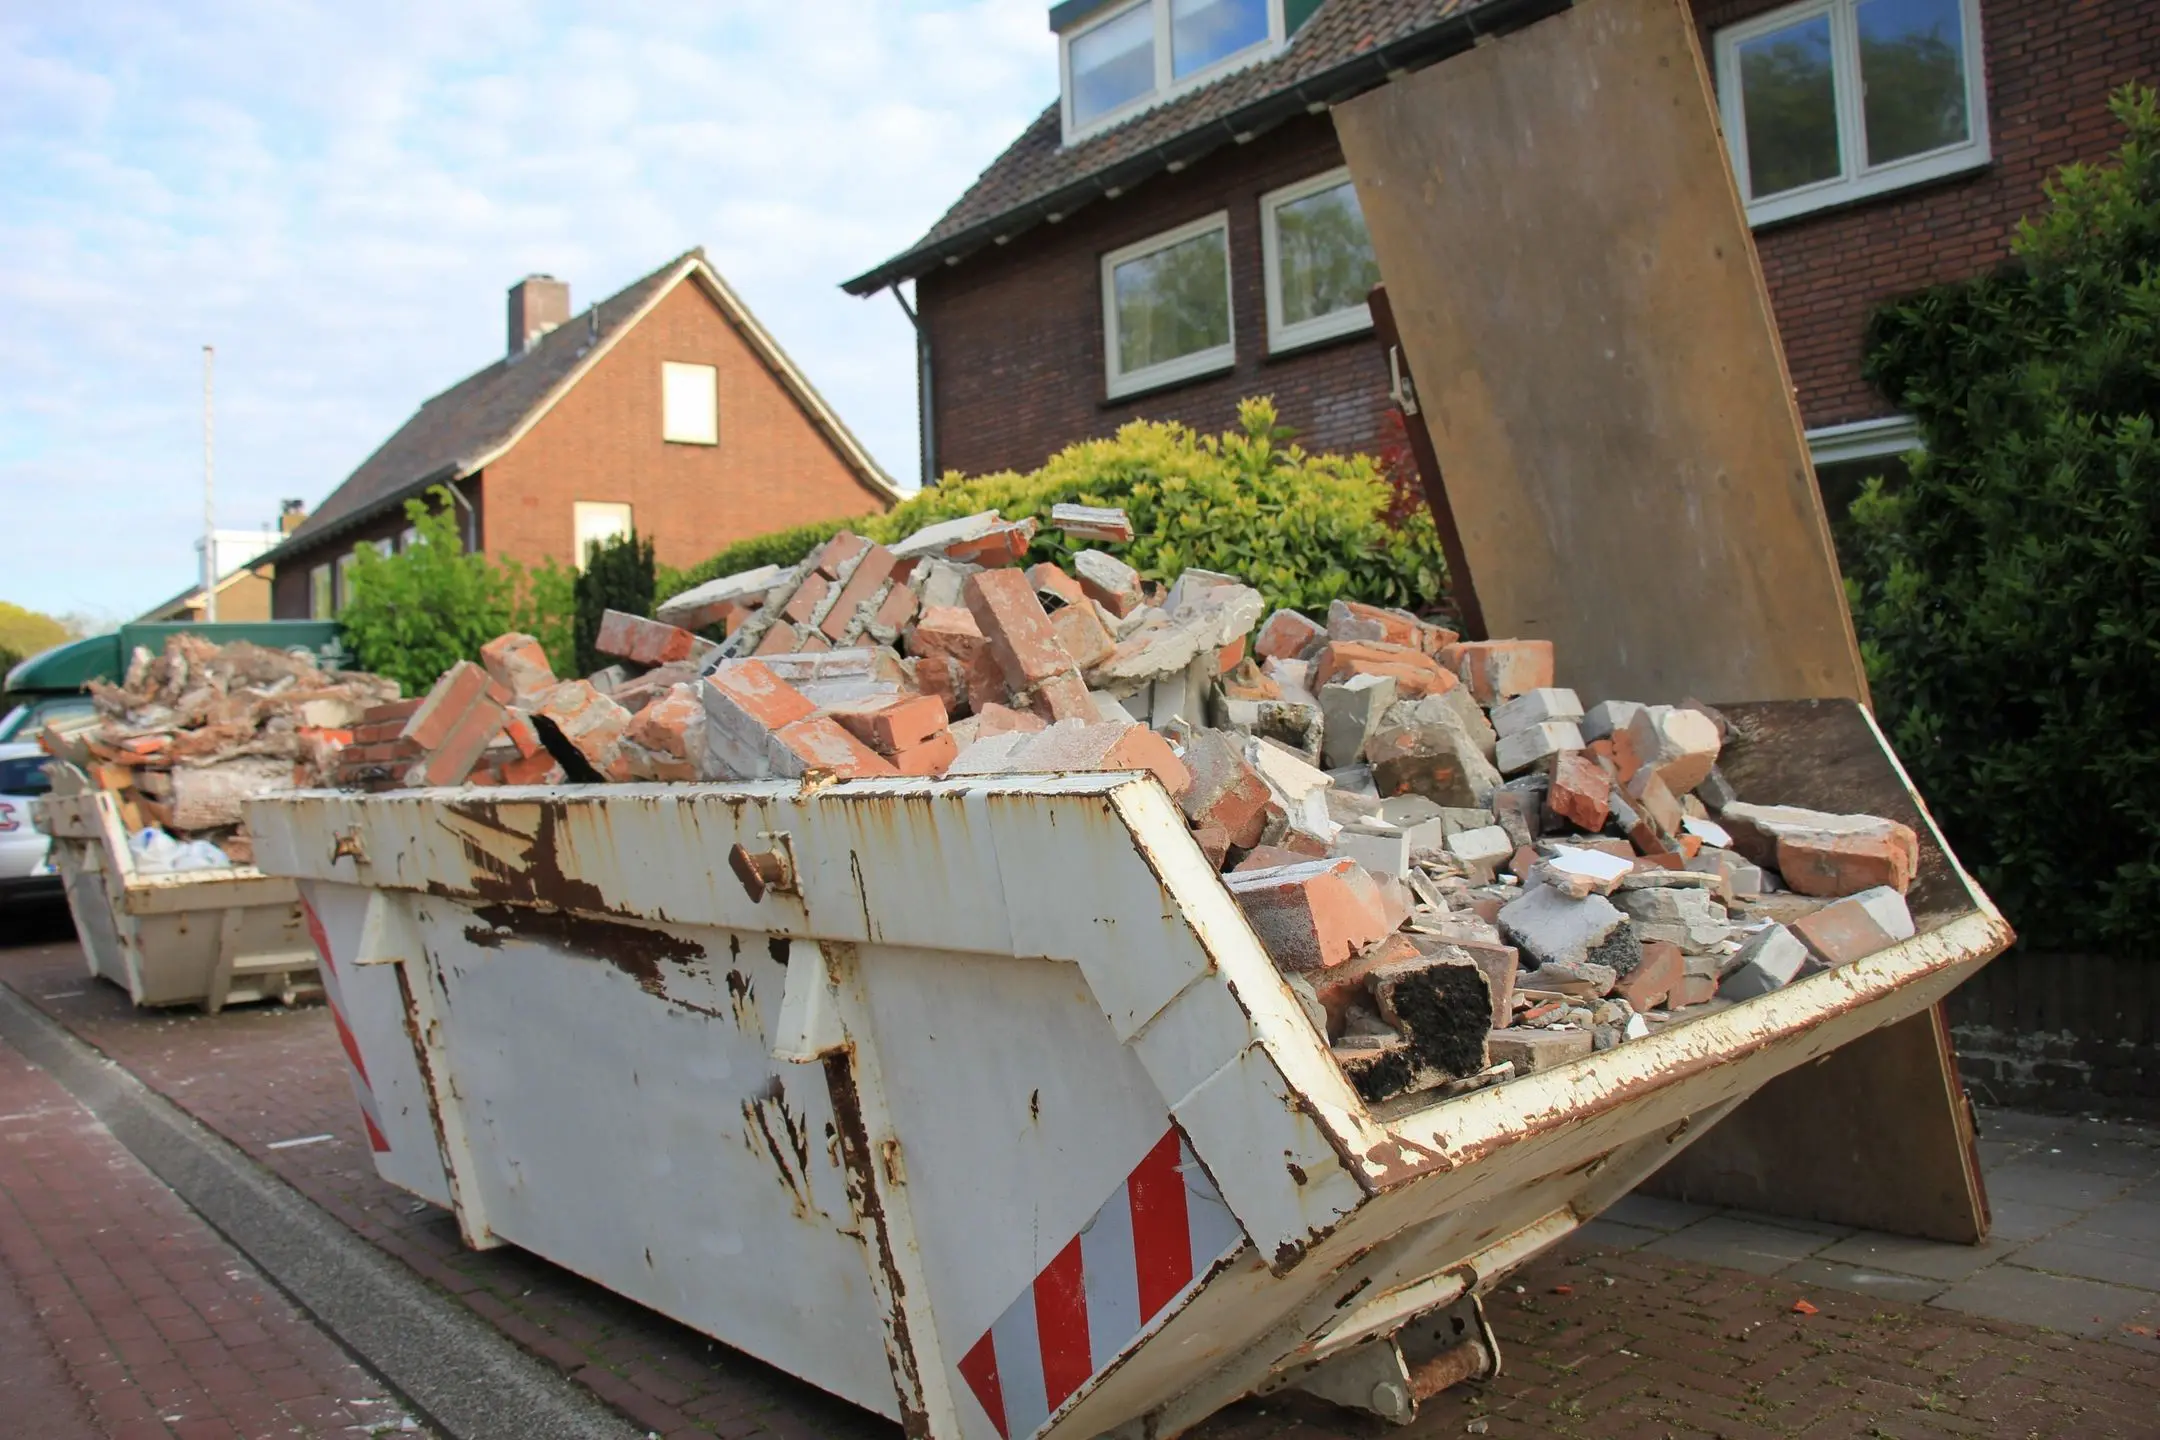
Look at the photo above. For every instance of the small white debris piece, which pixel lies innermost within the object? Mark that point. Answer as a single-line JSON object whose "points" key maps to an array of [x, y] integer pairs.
{"points": [[1708, 831]]}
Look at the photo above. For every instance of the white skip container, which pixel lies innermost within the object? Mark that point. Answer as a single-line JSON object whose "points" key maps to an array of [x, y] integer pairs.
{"points": [[990, 1115]]}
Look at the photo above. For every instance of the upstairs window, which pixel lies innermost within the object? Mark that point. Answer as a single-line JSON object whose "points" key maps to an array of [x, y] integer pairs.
{"points": [[1318, 260], [689, 403], [1835, 100], [1120, 58], [596, 522], [1166, 307]]}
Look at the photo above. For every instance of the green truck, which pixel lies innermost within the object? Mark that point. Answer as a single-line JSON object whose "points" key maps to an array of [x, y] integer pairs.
{"points": [[57, 682]]}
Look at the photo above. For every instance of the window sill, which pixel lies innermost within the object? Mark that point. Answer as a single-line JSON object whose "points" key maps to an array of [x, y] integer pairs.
{"points": [[678, 440], [1769, 214], [1130, 389], [1169, 374], [1294, 346]]}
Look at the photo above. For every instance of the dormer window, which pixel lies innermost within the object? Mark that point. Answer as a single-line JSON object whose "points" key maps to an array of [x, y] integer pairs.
{"points": [[1120, 58]]}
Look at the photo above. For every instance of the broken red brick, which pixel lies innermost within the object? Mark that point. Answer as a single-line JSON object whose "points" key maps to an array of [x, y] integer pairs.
{"points": [[1049, 579], [1286, 635], [824, 746], [1497, 670], [457, 690], [1314, 915], [1082, 634], [930, 757], [1654, 977], [780, 639], [590, 722], [1230, 656], [1226, 791], [892, 723], [832, 557], [1341, 986], [1214, 842], [1017, 627], [518, 664], [1828, 864], [645, 642], [1580, 791], [863, 583], [898, 608], [672, 725], [1415, 673], [1002, 545], [807, 597]]}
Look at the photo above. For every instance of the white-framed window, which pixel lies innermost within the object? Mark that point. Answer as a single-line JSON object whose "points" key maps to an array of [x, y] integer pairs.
{"points": [[1847, 456], [1166, 307], [322, 596], [689, 403], [344, 580], [594, 521], [1317, 259], [408, 537], [1123, 58], [1833, 100]]}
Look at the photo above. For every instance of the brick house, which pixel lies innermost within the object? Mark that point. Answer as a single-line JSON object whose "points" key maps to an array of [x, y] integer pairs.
{"points": [[1175, 231], [666, 407]]}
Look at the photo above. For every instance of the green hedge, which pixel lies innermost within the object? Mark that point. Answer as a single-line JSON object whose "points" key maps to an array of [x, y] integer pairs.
{"points": [[1304, 528], [2007, 593]]}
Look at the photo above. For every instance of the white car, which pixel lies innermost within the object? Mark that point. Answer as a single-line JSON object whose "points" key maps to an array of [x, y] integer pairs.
{"points": [[26, 870]]}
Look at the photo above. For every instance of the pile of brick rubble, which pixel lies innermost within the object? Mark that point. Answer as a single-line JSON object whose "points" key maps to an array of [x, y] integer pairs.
{"points": [[1462, 873], [189, 735]]}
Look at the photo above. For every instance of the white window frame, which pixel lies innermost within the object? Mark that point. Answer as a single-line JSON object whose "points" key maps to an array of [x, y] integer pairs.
{"points": [[1347, 321], [1858, 180], [1166, 88], [322, 592], [1185, 367], [1864, 440], [680, 377]]}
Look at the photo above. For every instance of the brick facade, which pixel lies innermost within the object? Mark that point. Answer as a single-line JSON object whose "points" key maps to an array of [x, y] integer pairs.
{"points": [[1016, 335], [601, 442], [1016, 332]]}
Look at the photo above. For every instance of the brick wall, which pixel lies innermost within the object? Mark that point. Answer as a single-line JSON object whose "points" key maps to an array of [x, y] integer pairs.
{"points": [[2050, 66], [601, 442], [771, 469], [1016, 334], [1016, 331]]}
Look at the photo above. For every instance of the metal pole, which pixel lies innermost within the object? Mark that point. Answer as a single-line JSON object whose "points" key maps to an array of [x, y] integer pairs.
{"points": [[209, 509]]}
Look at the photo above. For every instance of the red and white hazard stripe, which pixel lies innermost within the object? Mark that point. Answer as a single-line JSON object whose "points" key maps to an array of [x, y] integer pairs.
{"points": [[363, 1090], [1161, 1230]]}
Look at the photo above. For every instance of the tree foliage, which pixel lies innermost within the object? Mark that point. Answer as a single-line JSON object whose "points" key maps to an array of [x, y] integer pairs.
{"points": [[2008, 592], [1304, 528], [414, 614], [25, 632], [618, 575]]}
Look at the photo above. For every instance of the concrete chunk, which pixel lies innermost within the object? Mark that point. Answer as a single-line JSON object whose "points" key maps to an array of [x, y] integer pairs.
{"points": [[1535, 708], [1551, 929], [1769, 960], [1537, 744]]}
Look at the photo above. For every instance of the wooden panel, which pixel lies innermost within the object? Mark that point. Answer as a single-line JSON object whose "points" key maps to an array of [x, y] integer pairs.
{"points": [[1875, 1134], [1577, 292]]}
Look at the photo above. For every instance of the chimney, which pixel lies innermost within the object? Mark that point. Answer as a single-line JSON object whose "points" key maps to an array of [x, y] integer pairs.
{"points": [[290, 514], [538, 304]]}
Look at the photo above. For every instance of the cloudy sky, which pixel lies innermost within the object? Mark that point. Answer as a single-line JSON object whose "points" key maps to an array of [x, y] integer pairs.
{"points": [[337, 195]]}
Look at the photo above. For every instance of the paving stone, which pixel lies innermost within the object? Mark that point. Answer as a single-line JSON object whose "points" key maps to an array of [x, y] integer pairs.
{"points": [[1836, 1275], [1872, 1250], [2098, 1258], [1612, 1235], [1653, 1212], [1739, 1244], [2053, 1302], [2033, 1178], [2016, 1220], [2133, 1220]]}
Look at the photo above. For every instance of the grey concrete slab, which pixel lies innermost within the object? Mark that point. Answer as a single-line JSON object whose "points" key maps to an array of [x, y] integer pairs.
{"points": [[2056, 1129], [2055, 1302], [2131, 1222], [2132, 1159], [1793, 1222], [2002, 1152], [2117, 1264], [1929, 1259], [2020, 1220], [1613, 1235], [1834, 1276], [1652, 1213], [2030, 1179], [1738, 1244]]}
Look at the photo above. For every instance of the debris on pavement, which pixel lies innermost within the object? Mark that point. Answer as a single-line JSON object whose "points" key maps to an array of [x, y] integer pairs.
{"points": [[1464, 874]]}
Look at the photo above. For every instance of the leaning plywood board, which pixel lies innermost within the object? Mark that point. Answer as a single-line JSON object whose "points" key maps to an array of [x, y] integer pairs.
{"points": [[1577, 293], [1576, 290]]}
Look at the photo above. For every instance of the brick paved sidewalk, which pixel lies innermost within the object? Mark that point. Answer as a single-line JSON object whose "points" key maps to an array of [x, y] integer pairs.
{"points": [[1670, 1346], [122, 1314]]}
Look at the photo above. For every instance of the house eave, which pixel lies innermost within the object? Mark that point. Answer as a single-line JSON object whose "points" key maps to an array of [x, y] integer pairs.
{"points": [[1363, 72]]}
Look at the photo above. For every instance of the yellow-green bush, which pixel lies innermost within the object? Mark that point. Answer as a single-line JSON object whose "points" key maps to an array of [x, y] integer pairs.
{"points": [[1304, 528]]}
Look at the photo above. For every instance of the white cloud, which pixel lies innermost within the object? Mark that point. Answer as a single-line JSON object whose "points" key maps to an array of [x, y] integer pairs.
{"points": [[337, 196]]}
